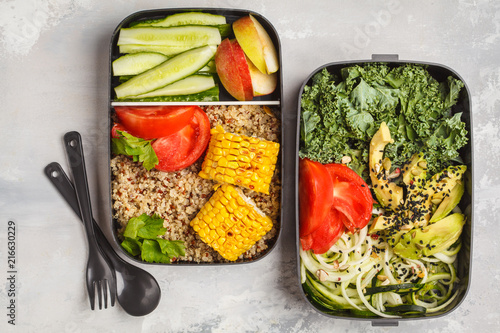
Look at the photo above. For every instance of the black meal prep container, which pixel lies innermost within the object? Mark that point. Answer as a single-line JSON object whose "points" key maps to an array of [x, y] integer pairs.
{"points": [[439, 72], [273, 100]]}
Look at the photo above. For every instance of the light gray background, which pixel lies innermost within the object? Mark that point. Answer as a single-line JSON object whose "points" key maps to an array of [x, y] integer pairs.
{"points": [[53, 79]]}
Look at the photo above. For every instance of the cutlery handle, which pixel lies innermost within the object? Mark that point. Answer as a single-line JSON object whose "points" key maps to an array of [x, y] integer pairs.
{"points": [[74, 149], [63, 184]]}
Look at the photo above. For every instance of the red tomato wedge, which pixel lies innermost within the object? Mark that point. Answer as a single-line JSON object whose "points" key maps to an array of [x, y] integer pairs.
{"points": [[315, 195], [117, 127], [151, 122], [182, 148], [351, 196], [332, 198], [323, 238]]}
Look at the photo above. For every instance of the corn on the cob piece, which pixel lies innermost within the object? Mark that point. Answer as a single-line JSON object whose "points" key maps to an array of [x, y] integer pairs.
{"points": [[240, 160], [230, 222]]}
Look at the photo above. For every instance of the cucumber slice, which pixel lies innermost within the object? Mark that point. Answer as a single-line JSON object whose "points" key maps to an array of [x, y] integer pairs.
{"points": [[210, 95], [209, 68], [133, 64], [224, 30], [170, 71], [186, 18], [406, 309], [190, 85], [403, 288], [168, 50], [189, 35]]}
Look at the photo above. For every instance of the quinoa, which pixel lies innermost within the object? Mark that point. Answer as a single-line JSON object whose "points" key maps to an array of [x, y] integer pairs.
{"points": [[178, 196]]}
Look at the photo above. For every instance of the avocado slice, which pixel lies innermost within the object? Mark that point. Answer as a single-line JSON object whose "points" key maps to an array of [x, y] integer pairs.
{"points": [[434, 238], [441, 184], [415, 173], [449, 202], [381, 222], [388, 193], [423, 194]]}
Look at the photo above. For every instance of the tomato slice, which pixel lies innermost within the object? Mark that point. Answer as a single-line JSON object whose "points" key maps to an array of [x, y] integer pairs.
{"points": [[117, 127], [151, 122], [351, 196], [182, 148], [315, 195], [329, 232]]}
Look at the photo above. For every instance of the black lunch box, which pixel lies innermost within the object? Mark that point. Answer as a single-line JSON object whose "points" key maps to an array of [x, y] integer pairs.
{"points": [[273, 100], [439, 72]]}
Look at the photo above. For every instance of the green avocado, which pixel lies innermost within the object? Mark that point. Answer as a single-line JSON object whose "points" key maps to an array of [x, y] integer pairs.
{"points": [[388, 194], [434, 238], [441, 184], [415, 173], [380, 223], [449, 202], [423, 196]]}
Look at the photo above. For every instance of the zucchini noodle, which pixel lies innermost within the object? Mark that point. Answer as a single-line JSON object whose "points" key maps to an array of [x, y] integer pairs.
{"points": [[363, 275]]}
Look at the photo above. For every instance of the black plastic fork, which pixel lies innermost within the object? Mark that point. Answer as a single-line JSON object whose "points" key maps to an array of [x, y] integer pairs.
{"points": [[100, 275]]}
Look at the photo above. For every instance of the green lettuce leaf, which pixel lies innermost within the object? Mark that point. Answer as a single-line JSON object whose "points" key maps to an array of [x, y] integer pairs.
{"points": [[152, 228], [151, 252], [141, 150], [132, 246], [141, 237], [171, 248]]}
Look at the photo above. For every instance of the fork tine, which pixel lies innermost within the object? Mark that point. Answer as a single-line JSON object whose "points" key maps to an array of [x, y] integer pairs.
{"points": [[91, 291], [105, 291], [112, 292], [99, 293]]}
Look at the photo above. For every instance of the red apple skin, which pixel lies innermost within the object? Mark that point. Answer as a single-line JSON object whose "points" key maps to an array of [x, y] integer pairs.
{"points": [[228, 73], [243, 67], [232, 68]]}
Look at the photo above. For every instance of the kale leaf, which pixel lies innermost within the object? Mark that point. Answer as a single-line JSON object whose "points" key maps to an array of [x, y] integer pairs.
{"points": [[339, 115]]}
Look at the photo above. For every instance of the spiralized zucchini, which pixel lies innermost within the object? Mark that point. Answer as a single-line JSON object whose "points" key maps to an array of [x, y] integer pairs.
{"points": [[339, 279]]}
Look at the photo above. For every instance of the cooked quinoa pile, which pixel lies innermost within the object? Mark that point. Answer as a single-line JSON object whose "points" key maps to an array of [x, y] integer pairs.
{"points": [[178, 196]]}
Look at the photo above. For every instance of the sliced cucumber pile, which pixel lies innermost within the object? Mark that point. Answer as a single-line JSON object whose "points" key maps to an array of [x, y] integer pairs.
{"points": [[169, 59]]}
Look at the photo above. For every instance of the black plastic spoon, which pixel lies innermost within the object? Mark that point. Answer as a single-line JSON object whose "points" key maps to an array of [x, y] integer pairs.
{"points": [[138, 291]]}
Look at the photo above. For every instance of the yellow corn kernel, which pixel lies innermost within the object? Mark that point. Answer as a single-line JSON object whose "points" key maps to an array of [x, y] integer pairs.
{"points": [[222, 162], [251, 160], [232, 165], [230, 234], [228, 179], [262, 144], [244, 158]]}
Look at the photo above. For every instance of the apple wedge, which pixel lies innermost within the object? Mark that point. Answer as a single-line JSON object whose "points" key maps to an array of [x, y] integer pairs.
{"points": [[256, 43], [233, 71], [263, 84], [243, 65]]}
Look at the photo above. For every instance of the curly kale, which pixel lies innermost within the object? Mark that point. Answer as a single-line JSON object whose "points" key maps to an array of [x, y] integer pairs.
{"points": [[340, 115]]}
